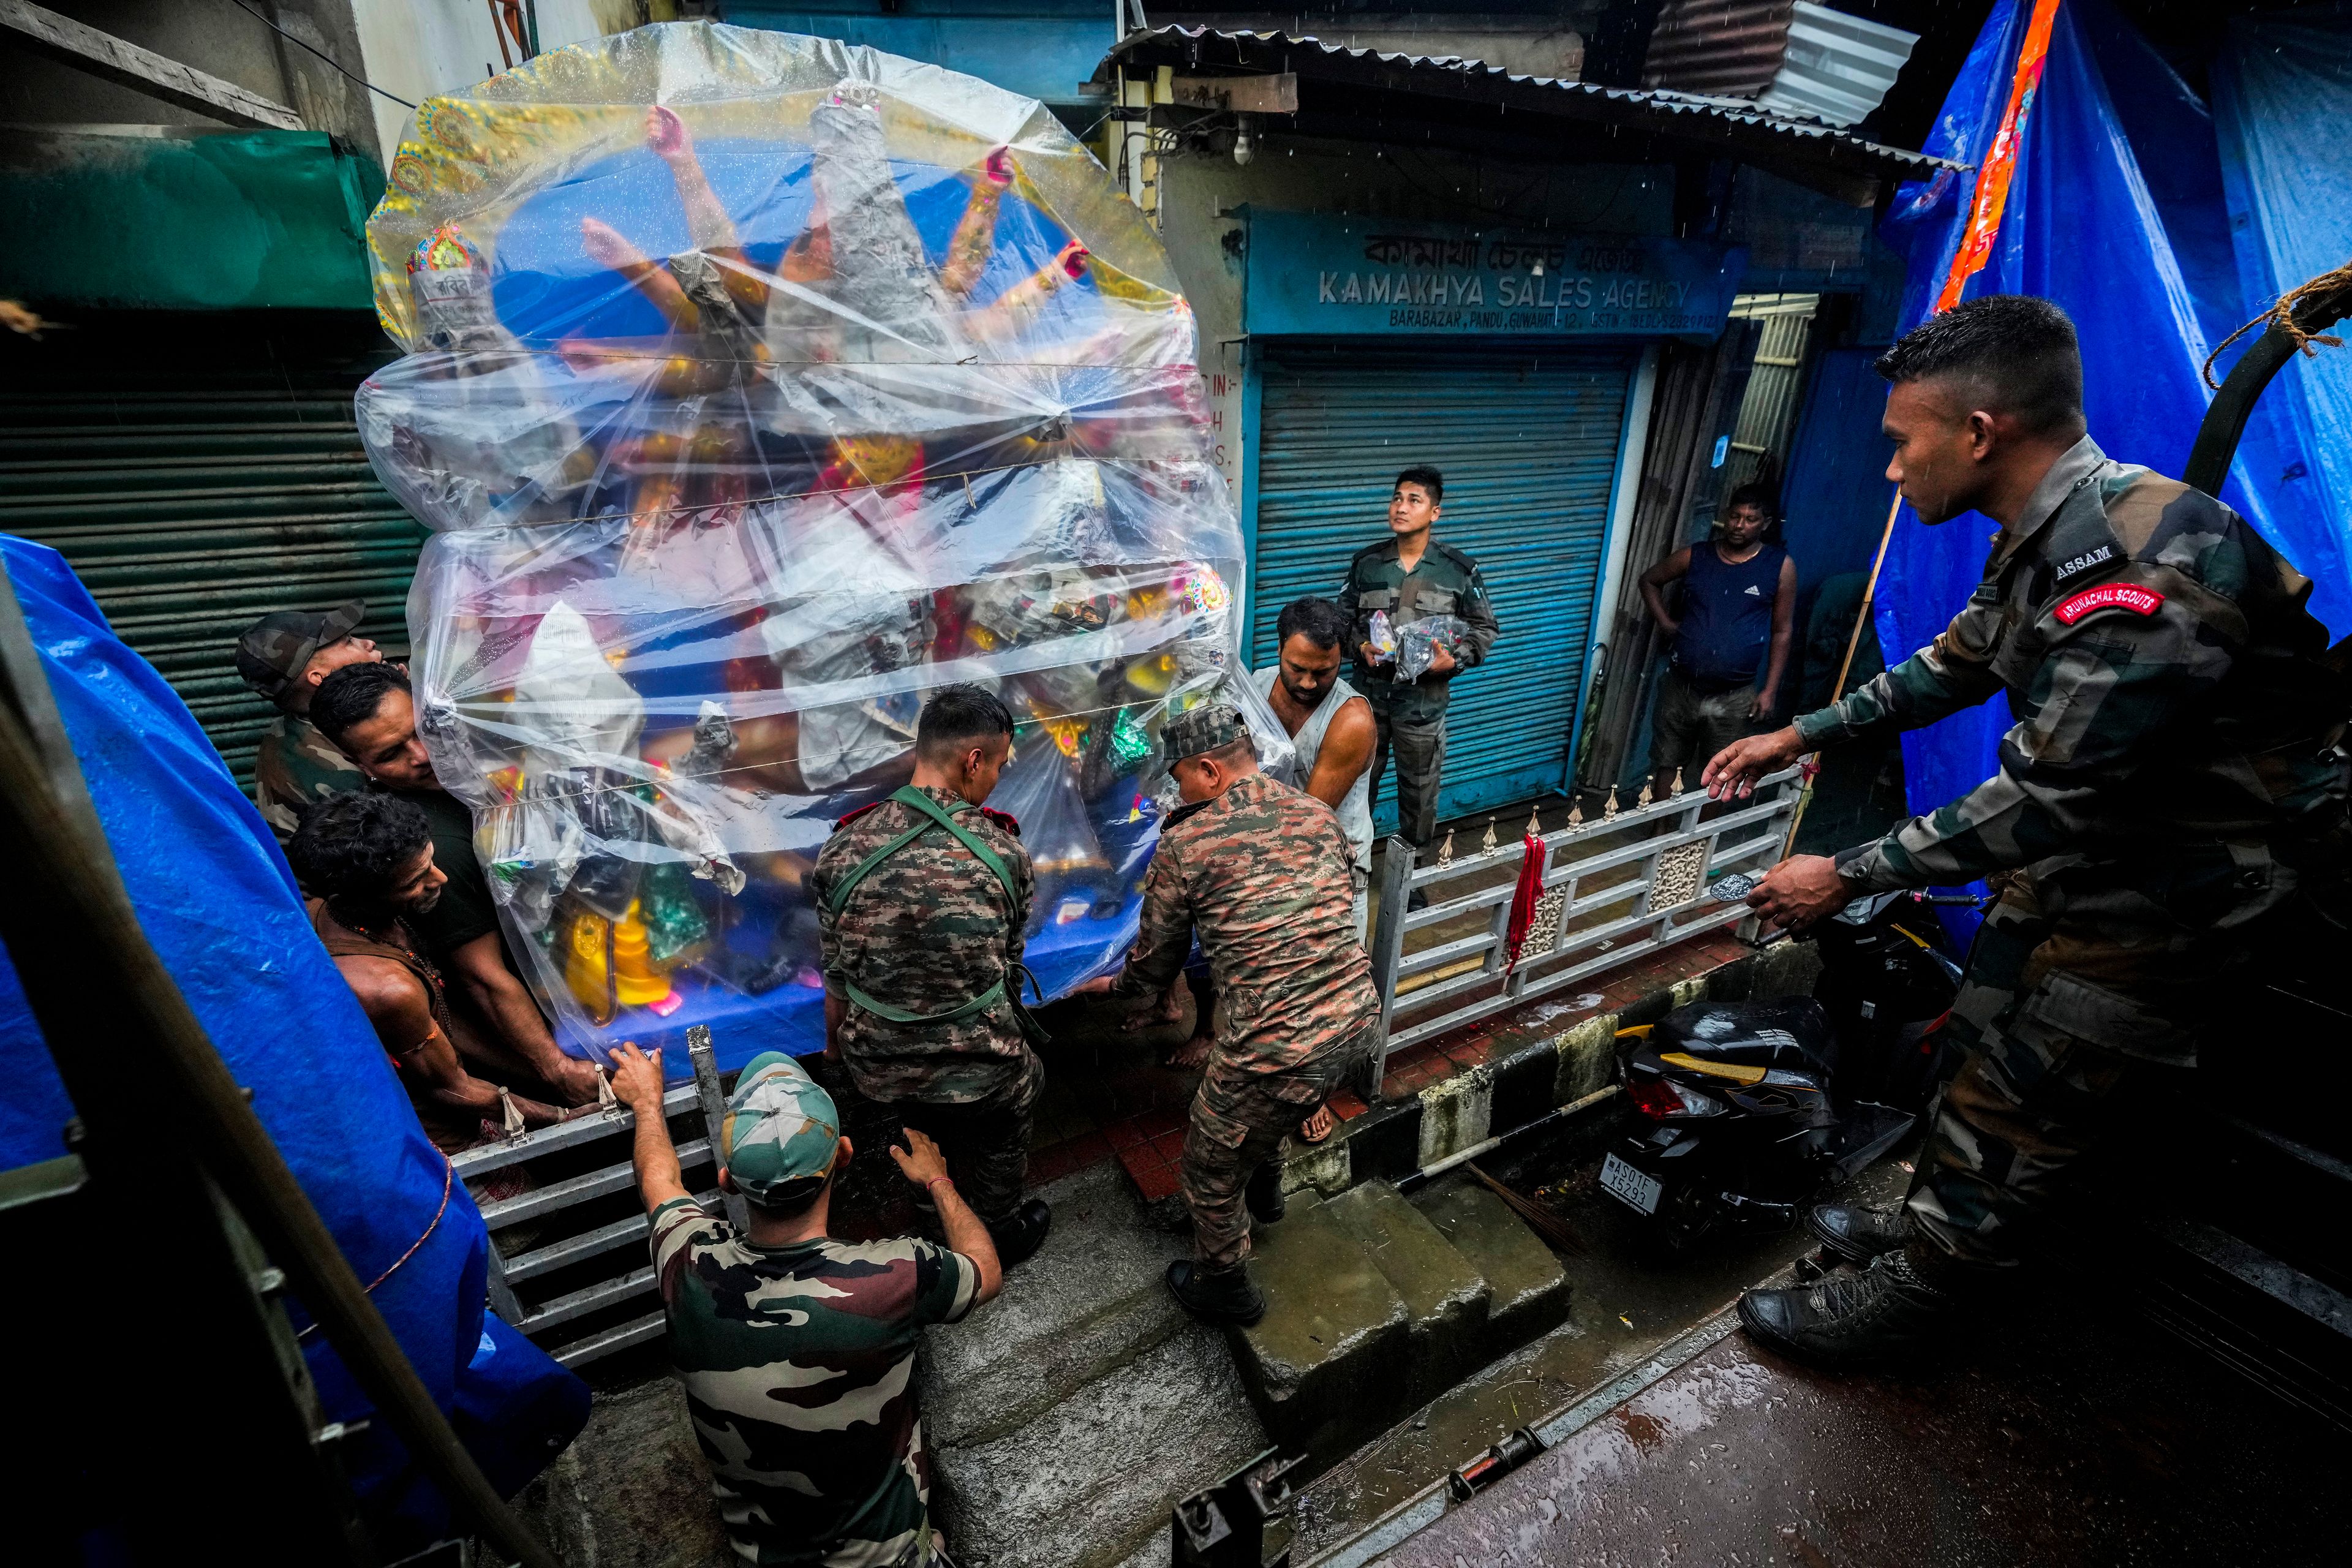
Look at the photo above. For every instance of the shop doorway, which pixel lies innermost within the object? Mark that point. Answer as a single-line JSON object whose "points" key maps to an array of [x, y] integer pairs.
{"points": [[1529, 439]]}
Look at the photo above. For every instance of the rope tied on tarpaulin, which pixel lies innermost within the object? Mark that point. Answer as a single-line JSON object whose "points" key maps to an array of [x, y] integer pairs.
{"points": [[2315, 291], [448, 1180]]}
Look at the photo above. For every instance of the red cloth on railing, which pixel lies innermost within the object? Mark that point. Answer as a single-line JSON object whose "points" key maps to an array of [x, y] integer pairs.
{"points": [[1524, 898]]}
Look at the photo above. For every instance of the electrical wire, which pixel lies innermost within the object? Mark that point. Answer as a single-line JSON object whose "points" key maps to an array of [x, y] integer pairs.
{"points": [[330, 60]]}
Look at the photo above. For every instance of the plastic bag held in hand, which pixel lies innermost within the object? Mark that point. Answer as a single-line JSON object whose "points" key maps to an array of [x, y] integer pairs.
{"points": [[1418, 643], [1383, 638]]}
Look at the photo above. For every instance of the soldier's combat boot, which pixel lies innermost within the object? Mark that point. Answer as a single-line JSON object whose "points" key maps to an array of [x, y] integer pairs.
{"points": [[1858, 1234], [1020, 1233], [1849, 1316], [1264, 1194], [1216, 1295]]}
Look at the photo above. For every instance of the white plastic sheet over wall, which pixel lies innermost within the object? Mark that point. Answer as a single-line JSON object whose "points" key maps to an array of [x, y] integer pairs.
{"points": [[758, 385]]}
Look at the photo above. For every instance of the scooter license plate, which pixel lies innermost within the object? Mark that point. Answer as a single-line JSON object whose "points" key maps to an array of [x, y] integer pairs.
{"points": [[1629, 1186]]}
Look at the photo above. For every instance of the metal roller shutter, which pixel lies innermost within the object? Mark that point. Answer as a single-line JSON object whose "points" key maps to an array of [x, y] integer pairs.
{"points": [[1528, 440], [189, 512]]}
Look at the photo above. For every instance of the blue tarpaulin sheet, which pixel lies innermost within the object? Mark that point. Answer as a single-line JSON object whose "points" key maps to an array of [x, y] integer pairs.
{"points": [[2120, 212], [220, 905], [2281, 104]]}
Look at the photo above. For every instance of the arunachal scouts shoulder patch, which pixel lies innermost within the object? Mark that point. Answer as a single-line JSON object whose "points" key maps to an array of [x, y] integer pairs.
{"points": [[2129, 596]]}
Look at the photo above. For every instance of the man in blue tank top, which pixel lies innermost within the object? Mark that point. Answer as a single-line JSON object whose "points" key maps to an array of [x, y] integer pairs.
{"points": [[1738, 613]]}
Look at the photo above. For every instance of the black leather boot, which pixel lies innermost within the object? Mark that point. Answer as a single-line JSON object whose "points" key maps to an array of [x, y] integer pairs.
{"points": [[1020, 1233], [1264, 1194], [1216, 1295], [1851, 1317], [1858, 1234]]}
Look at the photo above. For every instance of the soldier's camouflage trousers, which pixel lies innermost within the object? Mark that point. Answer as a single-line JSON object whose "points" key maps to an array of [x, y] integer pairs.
{"points": [[2081, 993], [986, 1141], [1238, 1119], [1418, 744]]}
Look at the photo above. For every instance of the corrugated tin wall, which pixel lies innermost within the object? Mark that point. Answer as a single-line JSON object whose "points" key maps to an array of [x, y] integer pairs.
{"points": [[1725, 49], [190, 505], [1767, 411], [1528, 440], [1698, 393]]}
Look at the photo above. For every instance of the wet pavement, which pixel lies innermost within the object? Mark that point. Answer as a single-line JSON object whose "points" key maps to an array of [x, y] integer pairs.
{"points": [[2062, 1435], [1627, 1300]]}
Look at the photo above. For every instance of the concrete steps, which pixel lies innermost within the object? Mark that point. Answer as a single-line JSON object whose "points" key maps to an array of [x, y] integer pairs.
{"points": [[1376, 1303], [1066, 1418]]}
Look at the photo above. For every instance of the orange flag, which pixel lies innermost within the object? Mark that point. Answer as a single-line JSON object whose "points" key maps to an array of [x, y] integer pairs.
{"points": [[2000, 158]]}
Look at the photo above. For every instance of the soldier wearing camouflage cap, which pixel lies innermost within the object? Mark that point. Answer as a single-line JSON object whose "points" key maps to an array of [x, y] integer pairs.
{"points": [[1263, 874], [2173, 781], [796, 1350], [922, 907], [284, 656]]}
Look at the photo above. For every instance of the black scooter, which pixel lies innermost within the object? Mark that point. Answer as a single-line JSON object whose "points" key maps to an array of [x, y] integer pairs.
{"points": [[1757, 1110]]}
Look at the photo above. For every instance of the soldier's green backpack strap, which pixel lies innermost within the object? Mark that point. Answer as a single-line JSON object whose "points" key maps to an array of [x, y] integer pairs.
{"points": [[924, 807], [916, 800]]}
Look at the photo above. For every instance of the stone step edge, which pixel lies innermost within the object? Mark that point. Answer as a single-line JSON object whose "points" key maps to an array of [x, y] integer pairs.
{"points": [[1423, 1509], [1027, 1409]]}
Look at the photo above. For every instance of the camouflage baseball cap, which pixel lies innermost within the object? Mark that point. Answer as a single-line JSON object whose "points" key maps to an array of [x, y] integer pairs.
{"points": [[782, 1131], [1204, 729], [273, 650]]}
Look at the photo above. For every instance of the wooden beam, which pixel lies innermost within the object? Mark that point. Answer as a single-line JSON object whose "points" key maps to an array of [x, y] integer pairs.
{"points": [[144, 71]]}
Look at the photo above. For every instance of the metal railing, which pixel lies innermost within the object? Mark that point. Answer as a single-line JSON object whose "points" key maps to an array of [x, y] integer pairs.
{"points": [[593, 1264], [1587, 918], [581, 1286]]}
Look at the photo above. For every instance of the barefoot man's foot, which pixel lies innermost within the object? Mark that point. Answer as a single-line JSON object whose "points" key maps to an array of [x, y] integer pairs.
{"points": [[1169, 1009], [1189, 1056], [1316, 1127]]}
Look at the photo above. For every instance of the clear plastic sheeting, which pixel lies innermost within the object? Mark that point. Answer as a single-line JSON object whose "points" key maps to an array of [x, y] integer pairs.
{"points": [[758, 385]]}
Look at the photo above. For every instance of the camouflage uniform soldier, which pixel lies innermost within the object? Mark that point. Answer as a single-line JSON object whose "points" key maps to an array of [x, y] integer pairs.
{"points": [[796, 1352], [922, 905], [1410, 576], [284, 656], [2168, 784], [1262, 872]]}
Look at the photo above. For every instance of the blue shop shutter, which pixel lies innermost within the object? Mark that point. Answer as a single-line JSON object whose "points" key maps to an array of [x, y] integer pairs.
{"points": [[1528, 440]]}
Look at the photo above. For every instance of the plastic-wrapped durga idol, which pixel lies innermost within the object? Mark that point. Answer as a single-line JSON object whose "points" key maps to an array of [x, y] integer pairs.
{"points": [[758, 385]]}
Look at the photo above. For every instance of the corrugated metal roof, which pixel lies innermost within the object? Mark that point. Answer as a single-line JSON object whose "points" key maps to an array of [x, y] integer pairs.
{"points": [[1838, 68], [1726, 49], [1728, 127]]}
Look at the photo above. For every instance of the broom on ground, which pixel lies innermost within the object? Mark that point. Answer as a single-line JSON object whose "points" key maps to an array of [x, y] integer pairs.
{"points": [[1541, 1220]]}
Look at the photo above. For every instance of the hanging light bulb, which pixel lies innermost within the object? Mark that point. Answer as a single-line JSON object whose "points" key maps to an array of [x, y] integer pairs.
{"points": [[1245, 139]]}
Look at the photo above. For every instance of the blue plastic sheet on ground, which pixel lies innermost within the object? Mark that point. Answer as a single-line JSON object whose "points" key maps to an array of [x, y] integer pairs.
{"points": [[218, 904], [2117, 211]]}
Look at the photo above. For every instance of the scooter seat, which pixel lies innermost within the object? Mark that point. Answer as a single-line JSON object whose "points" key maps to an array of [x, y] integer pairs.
{"points": [[1790, 1032]]}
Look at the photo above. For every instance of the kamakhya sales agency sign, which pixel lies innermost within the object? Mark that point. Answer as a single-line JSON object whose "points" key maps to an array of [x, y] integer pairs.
{"points": [[1316, 274]]}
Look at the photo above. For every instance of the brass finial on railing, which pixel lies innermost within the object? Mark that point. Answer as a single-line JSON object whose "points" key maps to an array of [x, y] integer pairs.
{"points": [[1445, 850], [1678, 781], [1534, 823], [1609, 810], [1488, 842]]}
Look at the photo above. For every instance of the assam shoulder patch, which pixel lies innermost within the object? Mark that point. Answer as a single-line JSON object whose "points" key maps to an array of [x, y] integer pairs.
{"points": [[2075, 566], [2129, 596]]}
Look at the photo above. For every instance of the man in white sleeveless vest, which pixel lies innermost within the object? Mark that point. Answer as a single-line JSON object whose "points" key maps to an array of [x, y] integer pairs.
{"points": [[1329, 722]]}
